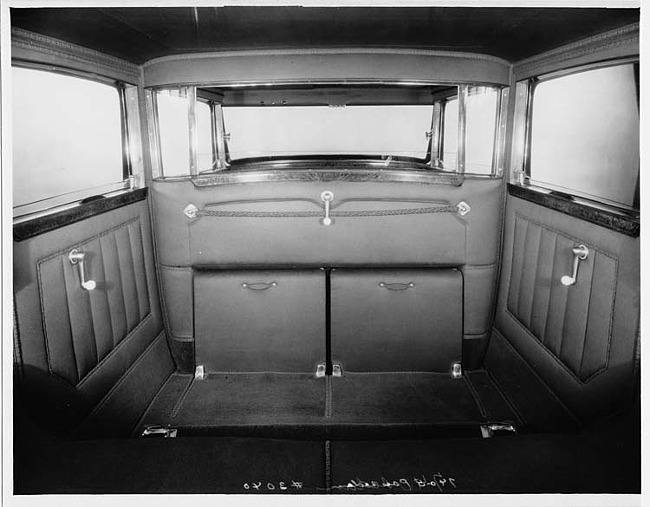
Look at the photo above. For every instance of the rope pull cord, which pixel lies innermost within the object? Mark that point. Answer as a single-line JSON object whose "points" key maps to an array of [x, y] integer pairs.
{"points": [[192, 212]]}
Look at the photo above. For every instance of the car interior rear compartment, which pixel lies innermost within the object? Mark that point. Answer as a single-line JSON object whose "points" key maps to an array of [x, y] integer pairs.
{"points": [[265, 267]]}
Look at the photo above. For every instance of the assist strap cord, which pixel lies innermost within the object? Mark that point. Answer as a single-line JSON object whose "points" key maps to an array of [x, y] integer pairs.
{"points": [[196, 213]]}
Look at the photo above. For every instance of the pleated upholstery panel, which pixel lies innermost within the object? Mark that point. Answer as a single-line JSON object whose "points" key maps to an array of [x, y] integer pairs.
{"points": [[81, 351], [82, 327], [581, 340], [573, 322]]}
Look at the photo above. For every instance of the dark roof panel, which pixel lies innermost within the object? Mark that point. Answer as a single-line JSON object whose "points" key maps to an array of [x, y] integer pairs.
{"points": [[140, 34]]}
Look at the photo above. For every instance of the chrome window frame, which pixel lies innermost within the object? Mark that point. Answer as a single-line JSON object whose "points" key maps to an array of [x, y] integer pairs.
{"points": [[220, 144], [499, 140]]}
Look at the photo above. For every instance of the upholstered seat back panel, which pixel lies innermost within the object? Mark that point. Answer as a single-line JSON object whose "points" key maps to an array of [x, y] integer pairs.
{"points": [[77, 344], [260, 233], [397, 320], [357, 240], [251, 321], [445, 238]]}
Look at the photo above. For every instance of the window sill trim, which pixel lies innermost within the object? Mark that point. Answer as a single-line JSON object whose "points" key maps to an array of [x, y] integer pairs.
{"points": [[28, 227], [611, 218]]}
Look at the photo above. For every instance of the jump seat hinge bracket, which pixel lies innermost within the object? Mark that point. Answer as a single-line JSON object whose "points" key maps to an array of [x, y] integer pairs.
{"points": [[321, 369], [488, 430], [159, 431]]}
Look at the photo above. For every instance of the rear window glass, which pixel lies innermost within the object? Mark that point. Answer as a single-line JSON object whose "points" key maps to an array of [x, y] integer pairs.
{"points": [[269, 131], [67, 135], [416, 127], [585, 134]]}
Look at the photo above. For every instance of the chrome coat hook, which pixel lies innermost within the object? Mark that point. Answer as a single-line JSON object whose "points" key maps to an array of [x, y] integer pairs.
{"points": [[77, 257], [580, 253], [327, 198]]}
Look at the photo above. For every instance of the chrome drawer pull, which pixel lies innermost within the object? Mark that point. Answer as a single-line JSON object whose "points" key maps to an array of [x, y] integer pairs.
{"points": [[397, 285], [259, 285], [327, 198], [77, 257], [580, 253]]}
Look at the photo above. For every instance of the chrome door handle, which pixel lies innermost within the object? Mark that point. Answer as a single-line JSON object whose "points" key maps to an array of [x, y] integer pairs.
{"points": [[259, 285], [397, 285], [77, 257], [580, 253], [327, 197]]}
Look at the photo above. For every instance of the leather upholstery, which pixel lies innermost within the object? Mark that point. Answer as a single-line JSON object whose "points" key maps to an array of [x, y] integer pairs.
{"points": [[76, 345], [329, 65], [178, 310], [396, 327], [119, 412], [178, 300], [438, 240], [389, 240], [83, 327], [573, 323], [581, 340], [260, 327]]}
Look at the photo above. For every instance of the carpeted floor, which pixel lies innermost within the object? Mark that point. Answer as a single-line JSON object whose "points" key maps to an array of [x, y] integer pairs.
{"points": [[252, 404]]}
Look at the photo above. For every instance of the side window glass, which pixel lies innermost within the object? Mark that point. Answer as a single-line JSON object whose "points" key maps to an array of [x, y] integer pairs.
{"points": [[67, 137], [584, 134], [174, 132], [481, 117]]}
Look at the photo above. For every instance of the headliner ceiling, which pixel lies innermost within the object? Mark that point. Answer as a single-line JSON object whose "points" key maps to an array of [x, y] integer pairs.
{"points": [[140, 34]]}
